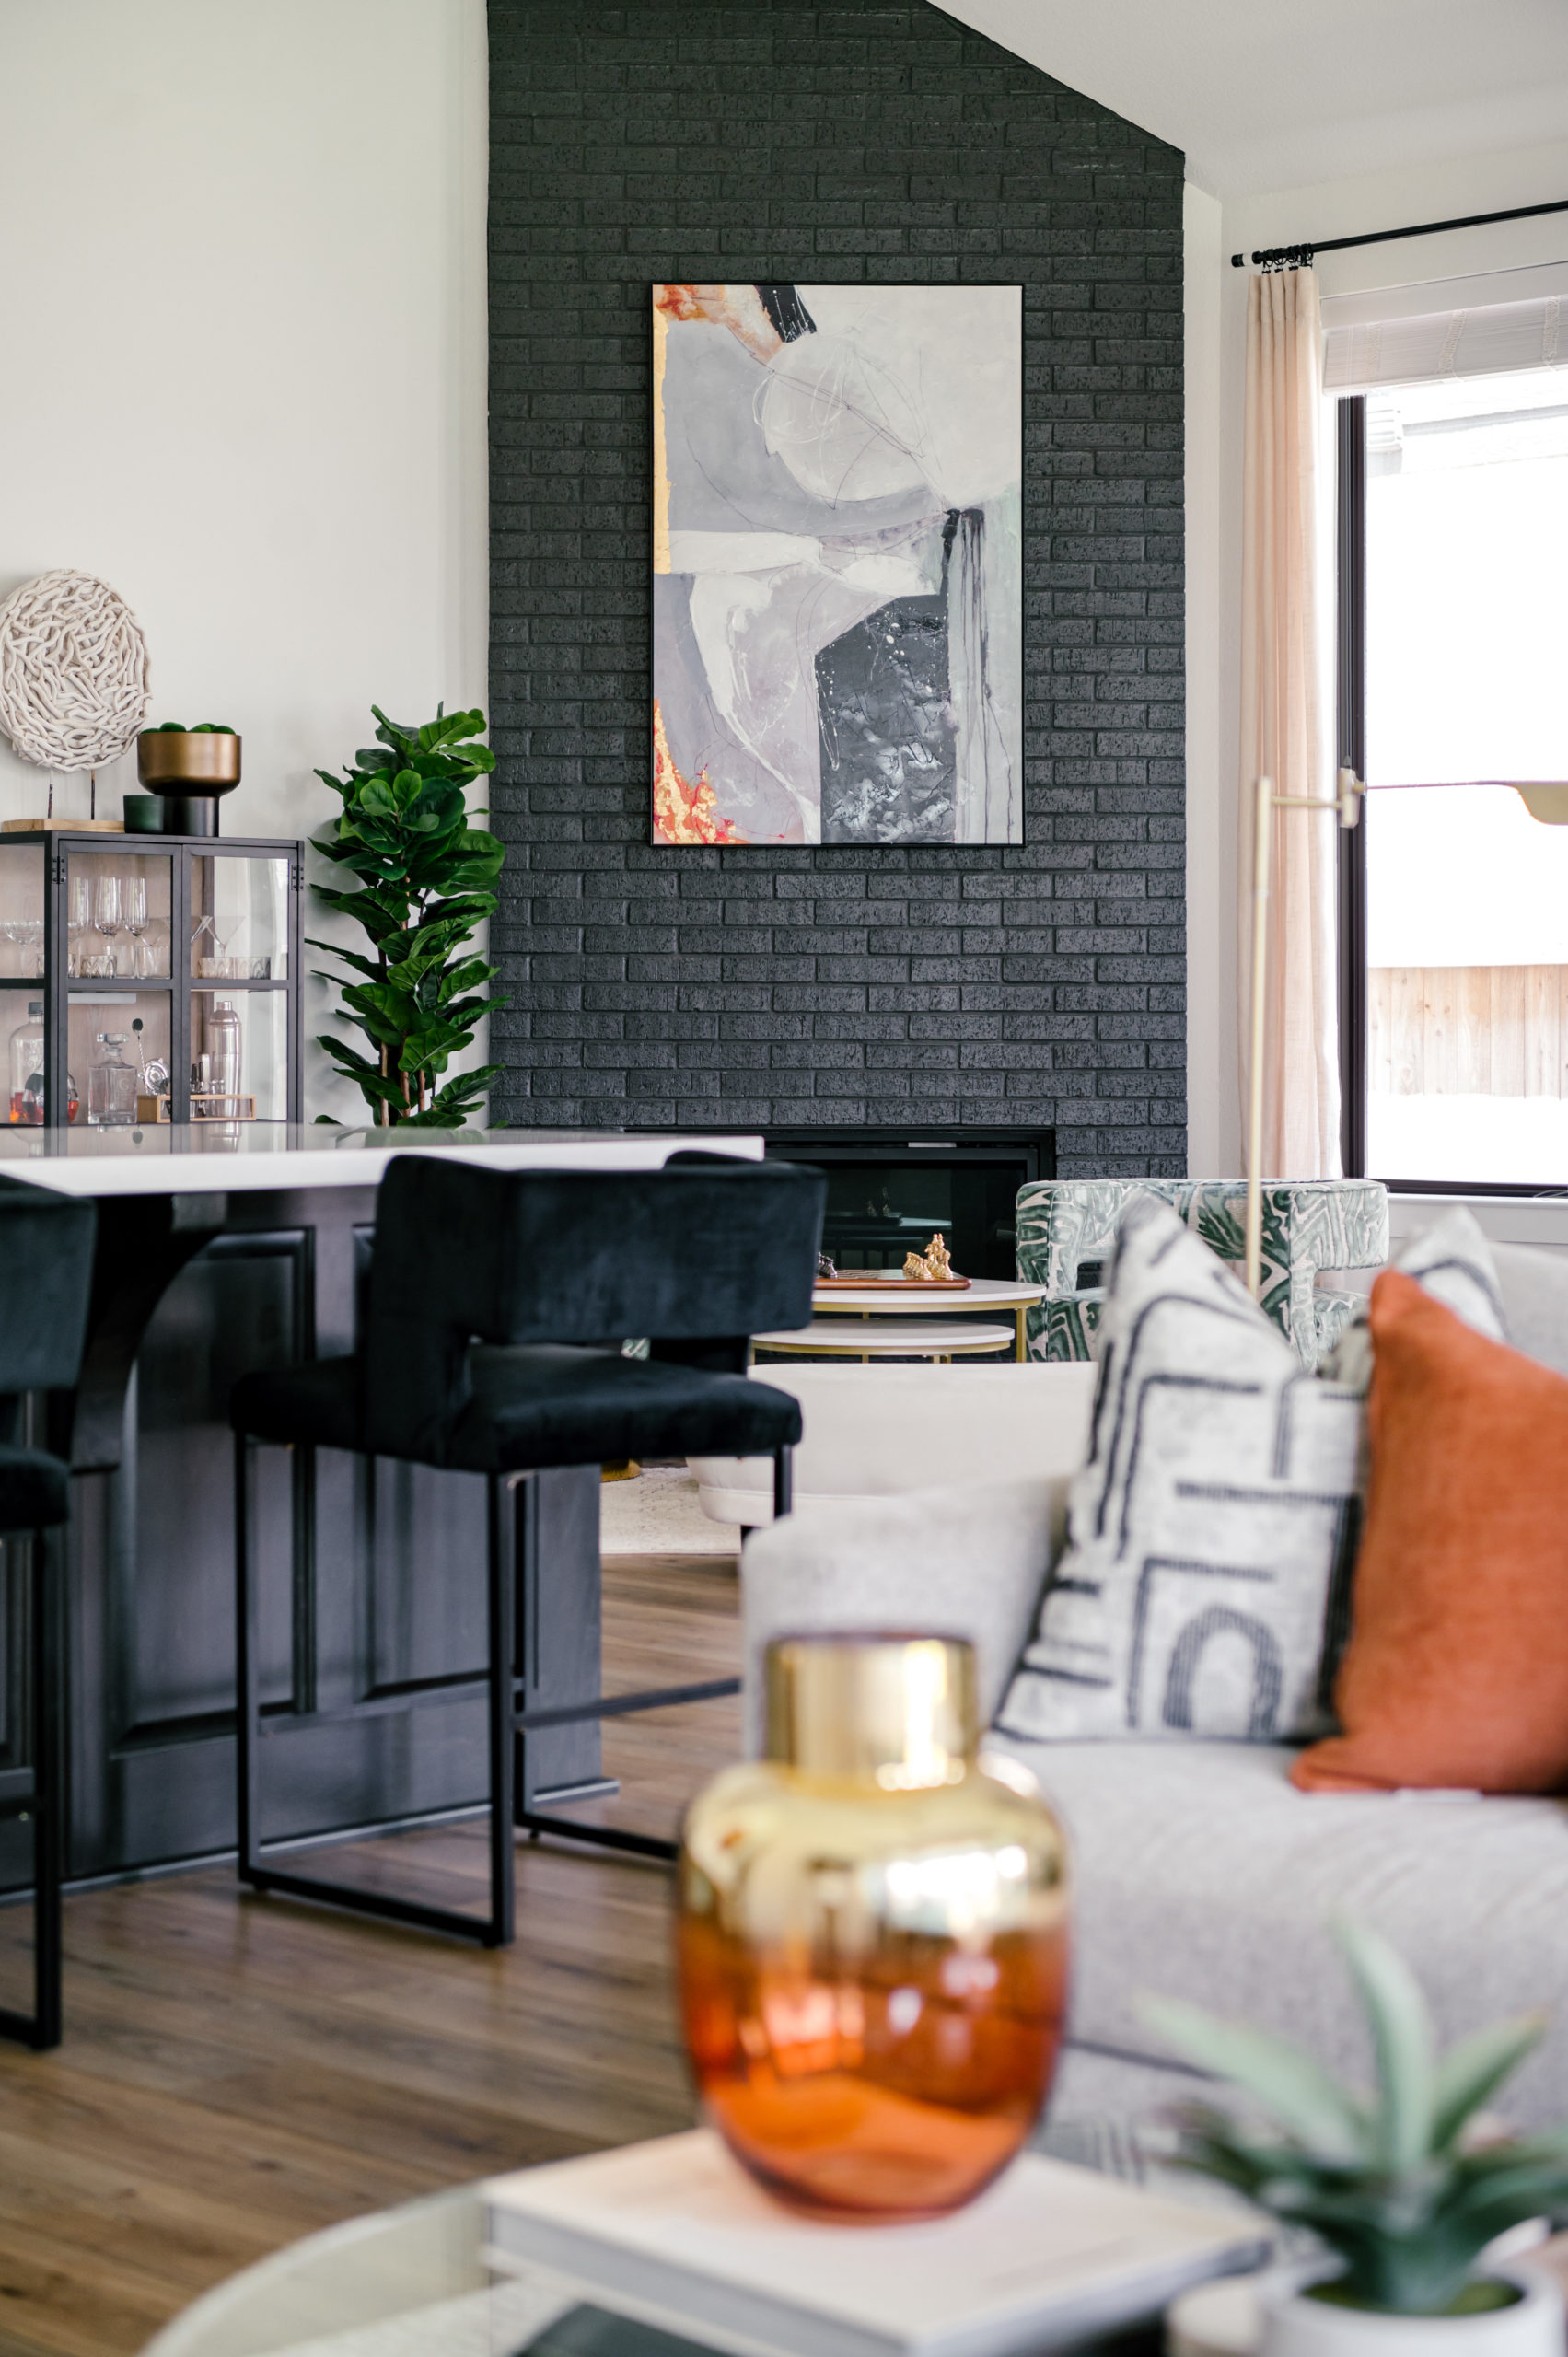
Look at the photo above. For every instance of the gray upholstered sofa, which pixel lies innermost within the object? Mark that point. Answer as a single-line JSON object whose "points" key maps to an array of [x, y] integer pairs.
{"points": [[1201, 1871]]}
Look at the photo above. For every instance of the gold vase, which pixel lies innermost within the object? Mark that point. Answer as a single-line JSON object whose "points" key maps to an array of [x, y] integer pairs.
{"points": [[872, 1935]]}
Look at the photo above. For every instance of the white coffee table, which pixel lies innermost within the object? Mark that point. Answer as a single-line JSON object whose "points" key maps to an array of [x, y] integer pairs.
{"points": [[986, 1295], [415, 2281]]}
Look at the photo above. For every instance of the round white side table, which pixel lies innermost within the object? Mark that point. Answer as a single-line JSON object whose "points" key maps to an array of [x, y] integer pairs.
{"points": [[995, 1296]]}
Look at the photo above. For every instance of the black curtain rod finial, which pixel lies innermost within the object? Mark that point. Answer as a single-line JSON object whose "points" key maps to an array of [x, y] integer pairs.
{"points": [[1269, 257]]}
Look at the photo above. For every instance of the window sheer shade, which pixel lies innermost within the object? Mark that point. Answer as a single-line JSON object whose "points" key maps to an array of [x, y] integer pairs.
{"points": [[1491, 339]]}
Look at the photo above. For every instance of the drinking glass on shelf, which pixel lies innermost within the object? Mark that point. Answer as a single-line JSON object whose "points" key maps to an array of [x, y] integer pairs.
{"points": [[109, 914], [79, 917], [24, 936], [208, 951], [135, 899], [154, 947]]}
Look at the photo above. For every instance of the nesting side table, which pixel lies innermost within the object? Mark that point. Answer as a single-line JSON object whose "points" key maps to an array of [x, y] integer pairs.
{"points": [[910, 1320]]}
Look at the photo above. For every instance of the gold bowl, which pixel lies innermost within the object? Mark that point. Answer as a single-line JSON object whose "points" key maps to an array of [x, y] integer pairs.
{"points": [[182, 761]]}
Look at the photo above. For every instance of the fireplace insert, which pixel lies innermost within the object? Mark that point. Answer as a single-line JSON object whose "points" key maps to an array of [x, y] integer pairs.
{"points": [[891, 1191]]}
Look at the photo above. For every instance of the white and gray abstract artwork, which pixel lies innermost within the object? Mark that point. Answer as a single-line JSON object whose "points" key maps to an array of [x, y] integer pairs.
{"points": [[838, 565]]}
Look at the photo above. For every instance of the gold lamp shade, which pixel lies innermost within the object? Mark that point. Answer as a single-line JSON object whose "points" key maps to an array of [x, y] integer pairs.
{"points": [[872, 1935], [1544, 798]]}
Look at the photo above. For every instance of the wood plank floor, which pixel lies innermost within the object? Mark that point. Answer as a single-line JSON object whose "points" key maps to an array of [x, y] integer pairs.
{"points": [[239, 2071]]}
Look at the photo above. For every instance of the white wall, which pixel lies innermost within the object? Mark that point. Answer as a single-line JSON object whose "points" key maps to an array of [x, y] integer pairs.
{"points": [[1216, 349], [245, 368]]}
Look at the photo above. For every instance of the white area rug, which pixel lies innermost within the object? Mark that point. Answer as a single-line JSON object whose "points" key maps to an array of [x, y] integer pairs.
{"points": [[657, 1513]]}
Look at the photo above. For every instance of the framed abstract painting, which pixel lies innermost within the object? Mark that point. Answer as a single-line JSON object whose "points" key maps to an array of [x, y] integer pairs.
{"points": [[838, 565]]}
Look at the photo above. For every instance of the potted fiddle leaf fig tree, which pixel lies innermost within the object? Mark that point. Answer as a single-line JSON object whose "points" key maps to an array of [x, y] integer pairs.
{"points": [[427, 880], [1403, 2186]]}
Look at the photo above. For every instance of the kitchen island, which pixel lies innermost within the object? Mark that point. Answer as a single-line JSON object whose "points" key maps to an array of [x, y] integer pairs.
{"points": [[227, 1247]]}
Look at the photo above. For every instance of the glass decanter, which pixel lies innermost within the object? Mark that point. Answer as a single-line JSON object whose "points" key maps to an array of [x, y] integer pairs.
{"points": [[872, 1935], [112, 1086], [26, 1071], [27, 1066]]}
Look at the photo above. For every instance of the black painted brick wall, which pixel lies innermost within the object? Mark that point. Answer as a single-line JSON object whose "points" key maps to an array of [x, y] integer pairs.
{"points": [[770, 141]]}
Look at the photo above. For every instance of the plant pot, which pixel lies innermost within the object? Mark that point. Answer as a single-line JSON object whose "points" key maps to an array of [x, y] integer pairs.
{"points": [[1295, 2326], [873, 1936], [190, 770]]}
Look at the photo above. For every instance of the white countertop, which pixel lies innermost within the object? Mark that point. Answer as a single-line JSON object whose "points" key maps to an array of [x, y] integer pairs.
{"points": [[230, 1157]]}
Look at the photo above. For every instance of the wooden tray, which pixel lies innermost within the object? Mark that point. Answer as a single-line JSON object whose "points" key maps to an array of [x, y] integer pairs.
{"points": [[891, 1277], [61, 826]]}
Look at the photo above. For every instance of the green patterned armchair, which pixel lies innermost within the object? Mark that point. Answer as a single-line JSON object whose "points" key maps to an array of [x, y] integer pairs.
{"points": [[1308, 1223]]}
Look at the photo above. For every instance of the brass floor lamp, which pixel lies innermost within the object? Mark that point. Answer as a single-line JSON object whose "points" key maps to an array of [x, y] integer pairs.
{"points": [[1546, 799]]}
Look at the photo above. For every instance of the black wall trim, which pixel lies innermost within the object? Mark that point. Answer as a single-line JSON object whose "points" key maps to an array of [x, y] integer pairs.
{"points": [[1042, 985]]}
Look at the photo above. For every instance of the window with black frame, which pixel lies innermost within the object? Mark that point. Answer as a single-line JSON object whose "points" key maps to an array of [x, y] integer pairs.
{"points": [[1453, 528]]}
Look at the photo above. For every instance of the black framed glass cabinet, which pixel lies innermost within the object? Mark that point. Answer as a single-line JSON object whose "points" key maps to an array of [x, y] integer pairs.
{"points": [[149, 979]]}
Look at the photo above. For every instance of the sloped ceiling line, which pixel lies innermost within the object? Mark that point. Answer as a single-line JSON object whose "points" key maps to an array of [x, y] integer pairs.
{"points": [[1260, 96]]}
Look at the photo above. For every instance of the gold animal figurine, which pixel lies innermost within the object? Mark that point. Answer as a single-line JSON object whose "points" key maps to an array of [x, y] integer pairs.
{"points": [[931, 1266]]}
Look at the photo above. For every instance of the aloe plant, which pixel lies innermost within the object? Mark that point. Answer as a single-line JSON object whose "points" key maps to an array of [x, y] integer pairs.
{"points": [[1398, 2183], [426, 879]]}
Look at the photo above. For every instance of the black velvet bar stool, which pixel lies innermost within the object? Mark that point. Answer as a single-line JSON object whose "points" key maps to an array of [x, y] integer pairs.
{"points": [[497, 1305], [46, 1258]]}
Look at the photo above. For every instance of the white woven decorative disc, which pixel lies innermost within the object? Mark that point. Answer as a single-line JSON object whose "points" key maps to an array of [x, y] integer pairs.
{"points": [[73, 671]]}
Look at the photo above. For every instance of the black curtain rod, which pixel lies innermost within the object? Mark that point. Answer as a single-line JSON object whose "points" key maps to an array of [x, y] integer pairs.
{"points": [[1299, 257]]}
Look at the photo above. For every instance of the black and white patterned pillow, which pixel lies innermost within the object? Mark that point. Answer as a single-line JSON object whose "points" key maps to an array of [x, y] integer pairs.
{"points": [[1212, 1534], [1205, 1588]]}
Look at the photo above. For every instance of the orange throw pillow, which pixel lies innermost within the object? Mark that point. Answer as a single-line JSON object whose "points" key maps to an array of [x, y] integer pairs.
{"points": [[1457, 1669]]}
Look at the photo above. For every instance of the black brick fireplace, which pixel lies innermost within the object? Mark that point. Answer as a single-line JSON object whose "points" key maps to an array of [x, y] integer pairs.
{"points": [[1039, 987]]}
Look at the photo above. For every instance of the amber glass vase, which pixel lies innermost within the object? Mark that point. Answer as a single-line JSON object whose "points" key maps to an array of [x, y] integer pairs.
{"points": [[873, 1936]]}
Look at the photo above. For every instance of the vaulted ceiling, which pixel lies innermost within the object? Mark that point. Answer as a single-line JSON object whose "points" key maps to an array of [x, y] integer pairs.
{"points": [[1272, 93]]}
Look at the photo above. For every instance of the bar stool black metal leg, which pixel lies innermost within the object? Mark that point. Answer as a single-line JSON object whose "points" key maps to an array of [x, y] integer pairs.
{"points": [[492, 1930], [248, 1681], [502, 1680], [49, 1793], [614, 1706], [43, 1805], [784, 1483]]}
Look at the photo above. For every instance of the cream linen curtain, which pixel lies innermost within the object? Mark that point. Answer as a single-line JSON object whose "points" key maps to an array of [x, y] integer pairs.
{"points": [[1287, 728]]}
